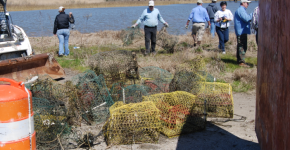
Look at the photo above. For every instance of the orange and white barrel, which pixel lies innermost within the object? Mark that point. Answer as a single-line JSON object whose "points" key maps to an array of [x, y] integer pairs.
{"points": [[16, 117]]}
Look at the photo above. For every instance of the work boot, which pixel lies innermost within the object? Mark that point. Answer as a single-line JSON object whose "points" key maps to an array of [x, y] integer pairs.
{"points": [[244, 65]]}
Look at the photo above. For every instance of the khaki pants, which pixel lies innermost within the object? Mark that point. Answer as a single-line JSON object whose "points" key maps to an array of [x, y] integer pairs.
{"points": [[198, 28]]}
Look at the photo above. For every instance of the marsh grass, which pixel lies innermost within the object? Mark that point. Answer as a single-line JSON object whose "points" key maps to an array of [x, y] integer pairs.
{"points": [[222, 67]]}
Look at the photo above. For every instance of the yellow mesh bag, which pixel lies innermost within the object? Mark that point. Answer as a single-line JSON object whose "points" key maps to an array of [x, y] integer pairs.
{"points": [[219, 99], [132, 123], [177, 114]]}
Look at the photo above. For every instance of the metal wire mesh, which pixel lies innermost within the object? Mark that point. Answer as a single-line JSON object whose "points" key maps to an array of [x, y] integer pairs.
{"points": [[177, 113], [156, 78], [115, 66], [166, 41], [132, 123], [129, 94], [219, 99], [51, 124], [128, 35]]}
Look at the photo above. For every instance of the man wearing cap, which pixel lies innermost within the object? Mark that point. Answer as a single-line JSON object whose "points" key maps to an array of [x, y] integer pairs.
{"points": [[211, 9], [150, 17], [242, 22], [198, 16]]}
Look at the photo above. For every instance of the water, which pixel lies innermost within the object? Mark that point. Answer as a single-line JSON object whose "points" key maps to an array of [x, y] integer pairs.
{"points": [[40, 22]]}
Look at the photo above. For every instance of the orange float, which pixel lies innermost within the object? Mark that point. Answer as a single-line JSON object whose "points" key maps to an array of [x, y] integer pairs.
{"points": [[16, 117]]}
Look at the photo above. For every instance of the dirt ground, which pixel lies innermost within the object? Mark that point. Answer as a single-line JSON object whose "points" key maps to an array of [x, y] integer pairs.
{"points": [[220, 134]]}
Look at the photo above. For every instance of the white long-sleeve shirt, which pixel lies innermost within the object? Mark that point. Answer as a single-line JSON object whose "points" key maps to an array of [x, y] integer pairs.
{"points": [[219, 14]]}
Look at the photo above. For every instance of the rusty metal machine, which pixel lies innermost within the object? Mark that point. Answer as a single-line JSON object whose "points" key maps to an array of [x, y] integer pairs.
{"points": [[17, 59]]}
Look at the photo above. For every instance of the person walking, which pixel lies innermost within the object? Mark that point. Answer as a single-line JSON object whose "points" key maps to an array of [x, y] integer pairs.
{"points": [[198, 16], [61, 29], [211, 9], [150, 17], [255, 21], [242, 22], [222, 18]]}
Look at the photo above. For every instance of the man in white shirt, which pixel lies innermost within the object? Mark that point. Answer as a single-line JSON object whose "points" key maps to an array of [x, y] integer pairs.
{"points": [[222, 18]]}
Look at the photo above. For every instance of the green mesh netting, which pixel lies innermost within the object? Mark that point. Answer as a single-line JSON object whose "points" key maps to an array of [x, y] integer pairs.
{"points": [[166, 41], [129, 93], [50, 123], [128, 35], [115, 66], [156, 78], [94, 94]]}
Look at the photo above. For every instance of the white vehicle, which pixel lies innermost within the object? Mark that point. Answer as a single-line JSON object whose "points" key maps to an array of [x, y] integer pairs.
{"points": [[17, 58]]}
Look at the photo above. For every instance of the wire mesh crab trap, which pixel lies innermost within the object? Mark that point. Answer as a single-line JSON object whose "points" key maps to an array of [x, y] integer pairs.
{"points": [[66, 95], [128, 35], [132, 123], [177, 113], [219, 99], [166, 41], [51, 124], [129, 93], [94, 95], [189, 76], [156, 78], [115, 66]]}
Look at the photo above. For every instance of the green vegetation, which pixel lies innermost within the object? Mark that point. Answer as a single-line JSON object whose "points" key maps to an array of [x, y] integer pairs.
{"points": [[239, 86], [231, 62]]}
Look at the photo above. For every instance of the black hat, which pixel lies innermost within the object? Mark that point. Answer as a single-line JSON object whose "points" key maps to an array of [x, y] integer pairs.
{"points": [[223, 3]]}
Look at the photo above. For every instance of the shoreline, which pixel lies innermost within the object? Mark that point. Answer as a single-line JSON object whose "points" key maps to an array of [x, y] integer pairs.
{"points": [[98, 5]]}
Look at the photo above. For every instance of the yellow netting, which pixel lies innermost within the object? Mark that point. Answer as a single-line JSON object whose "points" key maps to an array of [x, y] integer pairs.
{"points": [[219, 99], [177, 112], [132, 123]]}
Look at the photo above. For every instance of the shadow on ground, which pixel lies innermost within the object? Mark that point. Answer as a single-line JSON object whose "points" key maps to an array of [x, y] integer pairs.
{"points": [[214, 138]]}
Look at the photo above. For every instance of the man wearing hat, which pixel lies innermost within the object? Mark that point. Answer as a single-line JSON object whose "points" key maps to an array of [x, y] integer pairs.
{"points": [[242, 22], [211, 9], [198, 16], [150, 17]]}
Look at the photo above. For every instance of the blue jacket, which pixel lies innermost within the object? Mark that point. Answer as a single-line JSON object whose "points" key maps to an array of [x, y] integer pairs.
{"points": [[242, 21], [150, 18]]}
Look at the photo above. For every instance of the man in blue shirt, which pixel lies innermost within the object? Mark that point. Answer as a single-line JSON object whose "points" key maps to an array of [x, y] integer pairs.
{"points": [[150, 17], [242, 27], [198, 16]]}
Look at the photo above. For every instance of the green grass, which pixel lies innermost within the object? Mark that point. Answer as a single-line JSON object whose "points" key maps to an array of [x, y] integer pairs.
{"points": [[239, 86], [75, 64], [231, 62]]}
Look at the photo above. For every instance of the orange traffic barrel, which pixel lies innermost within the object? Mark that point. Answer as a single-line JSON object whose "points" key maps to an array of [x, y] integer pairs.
{"points": [[16, 117]]}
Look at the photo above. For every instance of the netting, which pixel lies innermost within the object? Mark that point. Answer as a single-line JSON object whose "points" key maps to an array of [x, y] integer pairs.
{"points": [[95, 96], [129, 93], [115, 66], [156, 78], [50, 123], [177, 112], [189, 76], [46, 88], [219, 99], [166, 41], [132, 123], [128, 35]]}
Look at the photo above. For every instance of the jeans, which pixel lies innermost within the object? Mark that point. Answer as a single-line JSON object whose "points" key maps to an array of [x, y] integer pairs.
{"points": [[212, 27], [223, 34], [241, 48], [150, 34], [63, 36]]}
